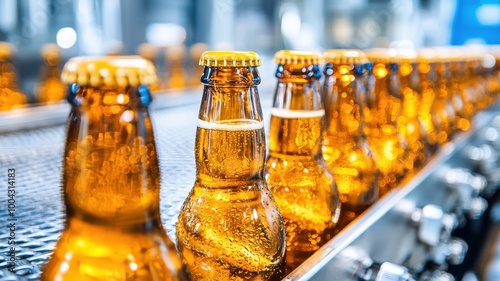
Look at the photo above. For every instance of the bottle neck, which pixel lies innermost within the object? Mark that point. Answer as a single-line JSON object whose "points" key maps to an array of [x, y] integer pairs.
{"points": [[230, 141], [111, 172], [298, 114], [344, 93]]}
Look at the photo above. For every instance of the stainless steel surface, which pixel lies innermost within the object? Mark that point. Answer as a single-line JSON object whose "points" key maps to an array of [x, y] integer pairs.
{"points": [[387, 232]]}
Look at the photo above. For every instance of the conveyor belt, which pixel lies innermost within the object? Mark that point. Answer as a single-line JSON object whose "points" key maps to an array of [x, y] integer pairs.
{"points": [[36, 157]]}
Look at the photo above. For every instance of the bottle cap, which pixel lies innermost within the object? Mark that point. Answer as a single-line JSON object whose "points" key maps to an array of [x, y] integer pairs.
{"points": [[344, 56], [109, 71], [297, 57], [6, 50], [383, 55], [230, 59], [426, 55]]}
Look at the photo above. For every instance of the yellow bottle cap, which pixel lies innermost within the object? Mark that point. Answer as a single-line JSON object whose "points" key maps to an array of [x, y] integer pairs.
{"points": [[344, 56], [383, 55], [6, 50], [229, 59], [297, 57], [109, 71]]}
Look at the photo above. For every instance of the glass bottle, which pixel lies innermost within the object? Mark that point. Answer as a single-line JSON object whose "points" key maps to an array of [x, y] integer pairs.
{"points": [[50, 88], [383, 107], [229, 227], [111, 178], [426, 115], [345, 148], [10, 95], [408, 123], [443, 108], [175, 57], [150, 52], [296, 172], [464, 84]]}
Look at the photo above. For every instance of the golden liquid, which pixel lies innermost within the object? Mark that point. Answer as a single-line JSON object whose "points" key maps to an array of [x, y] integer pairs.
{"points": [[344, 146], [111, 184], [392, 156], [229, 227], [10, 95], [300, 181]]}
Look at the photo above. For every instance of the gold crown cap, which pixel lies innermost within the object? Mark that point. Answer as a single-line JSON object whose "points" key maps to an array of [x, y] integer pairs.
{"points": [[230, 59], [297, 57], [347, 56], [383, 55], [109, 71]]}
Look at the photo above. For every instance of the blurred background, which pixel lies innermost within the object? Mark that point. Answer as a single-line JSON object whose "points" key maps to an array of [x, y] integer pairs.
{"points": [[98, 27]]}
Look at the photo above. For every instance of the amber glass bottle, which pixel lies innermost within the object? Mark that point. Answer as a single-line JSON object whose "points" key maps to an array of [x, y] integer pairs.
{"points": [[408, 123], [150, 52], [50, 88], [10, 95], [427, 79], [229, 227], [384, 103], [111, 178], [443, 108], [175, 58], [345, 148], [297, 174], [462, 88]]}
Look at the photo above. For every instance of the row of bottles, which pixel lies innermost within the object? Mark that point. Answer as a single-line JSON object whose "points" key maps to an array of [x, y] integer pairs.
{"points": [[49, 87], [333, 150]]}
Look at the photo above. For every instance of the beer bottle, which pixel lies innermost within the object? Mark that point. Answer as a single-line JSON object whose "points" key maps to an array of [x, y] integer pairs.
{"points": [[50, 88], [296, 172], [175, 57], [408, 123], [427, 78], [383, 107], [461, 88], [111, 178], [10, 95], [196, 50], [345, 148], [150, 52], [229, 227], [443, 109]]}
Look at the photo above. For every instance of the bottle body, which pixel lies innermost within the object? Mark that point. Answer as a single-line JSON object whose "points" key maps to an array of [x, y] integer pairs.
{"points": [[111, 183], [296, 172], [345, 148], [229, 227]]}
